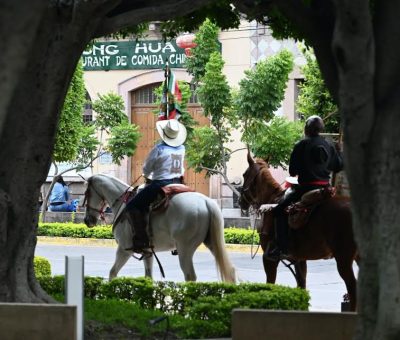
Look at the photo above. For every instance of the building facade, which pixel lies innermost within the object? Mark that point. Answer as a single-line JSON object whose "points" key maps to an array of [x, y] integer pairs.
{"points": [[133, 69]]}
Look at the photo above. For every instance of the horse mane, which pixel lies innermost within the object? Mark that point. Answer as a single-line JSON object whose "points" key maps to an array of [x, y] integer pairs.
{"points": [[115, 180], [267, 176]]}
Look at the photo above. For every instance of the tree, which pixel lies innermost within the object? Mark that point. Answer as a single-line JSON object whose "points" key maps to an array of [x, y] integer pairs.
{"points": [[314, 97], [206, 149], [260, 96], [81, 144], [274, 141], [356, 46], [207, 43]]}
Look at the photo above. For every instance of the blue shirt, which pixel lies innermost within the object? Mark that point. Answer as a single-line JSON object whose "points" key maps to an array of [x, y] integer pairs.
{"points": [[59, 193]]}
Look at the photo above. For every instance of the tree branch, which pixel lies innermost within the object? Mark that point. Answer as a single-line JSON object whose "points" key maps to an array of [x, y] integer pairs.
{"points": [[153, 10]]}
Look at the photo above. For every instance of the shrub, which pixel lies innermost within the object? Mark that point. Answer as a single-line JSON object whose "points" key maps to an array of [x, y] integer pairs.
{"points": [[41, 266], [198, 310], [232, 235]]}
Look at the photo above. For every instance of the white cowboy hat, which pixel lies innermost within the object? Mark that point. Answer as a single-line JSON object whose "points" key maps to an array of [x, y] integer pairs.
{"points": [[171, 132]]}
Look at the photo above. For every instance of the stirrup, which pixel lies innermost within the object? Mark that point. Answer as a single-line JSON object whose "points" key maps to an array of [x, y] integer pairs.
{"points": [[276, 255]]}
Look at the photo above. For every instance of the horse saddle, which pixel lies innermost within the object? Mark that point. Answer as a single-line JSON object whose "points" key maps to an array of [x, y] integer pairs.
{"points": [[162, 201], [300, 212]]}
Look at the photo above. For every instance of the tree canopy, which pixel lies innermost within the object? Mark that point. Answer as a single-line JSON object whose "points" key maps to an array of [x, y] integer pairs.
{"points": [[356, 46]]}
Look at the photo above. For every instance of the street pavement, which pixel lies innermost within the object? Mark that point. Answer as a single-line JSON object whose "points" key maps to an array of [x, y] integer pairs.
{"points": [[323, 281]]}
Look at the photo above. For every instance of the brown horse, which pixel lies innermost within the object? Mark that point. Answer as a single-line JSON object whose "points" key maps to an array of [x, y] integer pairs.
{"points": [[327, 234]]}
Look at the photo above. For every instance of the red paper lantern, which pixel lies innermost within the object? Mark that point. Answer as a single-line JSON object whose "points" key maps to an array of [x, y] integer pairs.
{"points": [[186, 41], [188, 51]]}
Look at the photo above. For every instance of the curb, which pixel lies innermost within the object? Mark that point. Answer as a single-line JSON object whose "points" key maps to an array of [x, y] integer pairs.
{"points": [[92, 242]]}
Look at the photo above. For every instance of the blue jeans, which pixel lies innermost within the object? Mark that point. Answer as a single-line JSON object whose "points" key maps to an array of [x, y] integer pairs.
{"points": [[148, 195], [65, 207]]}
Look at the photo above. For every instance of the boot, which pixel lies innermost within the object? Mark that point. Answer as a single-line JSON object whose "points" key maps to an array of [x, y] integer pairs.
{"points": [[281, 232], [138, 222]]}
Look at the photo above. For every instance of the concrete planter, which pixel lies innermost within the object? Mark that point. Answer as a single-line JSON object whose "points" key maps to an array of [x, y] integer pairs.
{"points": [[37, 321], [292, 325]]}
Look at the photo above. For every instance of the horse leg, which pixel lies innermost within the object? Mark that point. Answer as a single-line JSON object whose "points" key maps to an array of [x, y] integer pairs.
{"points": [[301, 273], [270, 268], [345, 269], [148, 266], [121, 257], [186, 263]]}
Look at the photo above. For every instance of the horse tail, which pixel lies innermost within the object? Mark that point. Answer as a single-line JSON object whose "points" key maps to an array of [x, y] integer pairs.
{"points": [[216, 243]]}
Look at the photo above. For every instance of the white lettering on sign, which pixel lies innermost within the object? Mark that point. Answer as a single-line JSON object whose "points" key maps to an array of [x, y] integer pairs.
{"points": [[142, 60], [102, 50], [89, 61], [121, 60], [168, 48], [177, 59], [119, 55]]}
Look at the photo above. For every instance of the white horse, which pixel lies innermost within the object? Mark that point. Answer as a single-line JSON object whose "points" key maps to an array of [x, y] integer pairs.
{"points": [[190, 219]]}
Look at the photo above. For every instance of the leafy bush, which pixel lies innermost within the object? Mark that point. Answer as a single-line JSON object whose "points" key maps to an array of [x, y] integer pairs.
{"points": [[232, 235], [198, 310], [41, 266]]}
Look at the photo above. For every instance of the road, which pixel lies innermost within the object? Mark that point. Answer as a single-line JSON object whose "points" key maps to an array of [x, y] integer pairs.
{"points": [[324, 283]]}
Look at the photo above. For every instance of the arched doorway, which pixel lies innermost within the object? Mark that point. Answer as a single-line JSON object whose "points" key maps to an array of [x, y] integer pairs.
{"points": [[143, 105]]}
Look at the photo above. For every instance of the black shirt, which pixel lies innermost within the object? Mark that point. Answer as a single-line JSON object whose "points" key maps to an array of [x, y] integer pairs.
{"points": [[313, 159]]}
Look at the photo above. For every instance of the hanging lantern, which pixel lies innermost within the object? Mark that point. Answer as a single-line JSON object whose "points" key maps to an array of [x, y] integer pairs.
{"points": [[186, 42]]}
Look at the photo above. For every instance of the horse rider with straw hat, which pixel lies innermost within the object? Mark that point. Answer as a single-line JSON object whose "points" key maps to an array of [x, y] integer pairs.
{"points": [[164, 165]]}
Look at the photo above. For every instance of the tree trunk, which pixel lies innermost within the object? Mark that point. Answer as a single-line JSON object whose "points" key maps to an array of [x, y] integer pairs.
{"points": [[43, 41], [370, 107], [34, 95]]}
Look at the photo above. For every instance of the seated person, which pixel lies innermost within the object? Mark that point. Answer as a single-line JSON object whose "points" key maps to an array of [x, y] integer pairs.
{"points": [[60, 199]]}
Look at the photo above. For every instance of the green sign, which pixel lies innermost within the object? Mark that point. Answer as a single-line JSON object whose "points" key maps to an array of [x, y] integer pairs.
{"points": [[130, 55]]}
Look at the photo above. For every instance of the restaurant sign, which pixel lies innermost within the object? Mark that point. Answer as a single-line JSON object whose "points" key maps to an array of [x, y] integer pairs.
{"points": [[130, 55]]}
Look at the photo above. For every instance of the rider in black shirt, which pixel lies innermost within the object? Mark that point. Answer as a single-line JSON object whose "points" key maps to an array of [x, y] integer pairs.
{"points": [[313, 159]]}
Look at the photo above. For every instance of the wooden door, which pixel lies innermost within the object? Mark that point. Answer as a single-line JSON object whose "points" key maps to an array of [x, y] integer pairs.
{"points": [[142, 114]]}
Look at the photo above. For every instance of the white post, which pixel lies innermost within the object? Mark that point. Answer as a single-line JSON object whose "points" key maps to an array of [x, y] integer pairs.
{"points": [[74, 282]]}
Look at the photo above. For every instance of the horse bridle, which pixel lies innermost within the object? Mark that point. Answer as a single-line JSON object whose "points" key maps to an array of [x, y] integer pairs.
{"points": [[86, 202], [101, 211], [246, 193]]}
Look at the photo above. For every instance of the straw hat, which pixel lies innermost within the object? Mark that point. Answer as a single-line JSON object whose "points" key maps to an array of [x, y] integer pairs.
{"points": [[171, 132]]}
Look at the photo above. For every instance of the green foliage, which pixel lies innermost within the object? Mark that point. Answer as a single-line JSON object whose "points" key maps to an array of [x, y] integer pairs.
{"points": [[232, 235], [123, 141], [207, 43], [110, 111], [274, 141], [314, 97], [221, 12], [117, 312], [87, 146], [204, 150], [70, 126], [263, 88], [214, 92], [74, 230], [197, 310], [41, 266], [241, 236]]}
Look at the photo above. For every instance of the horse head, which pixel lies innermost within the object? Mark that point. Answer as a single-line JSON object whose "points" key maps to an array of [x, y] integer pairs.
{"points": [[259, 187], [95, 205], [248, 193]]}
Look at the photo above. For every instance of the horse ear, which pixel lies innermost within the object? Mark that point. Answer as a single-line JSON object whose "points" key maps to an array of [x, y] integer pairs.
{"points": [[250, 159]]}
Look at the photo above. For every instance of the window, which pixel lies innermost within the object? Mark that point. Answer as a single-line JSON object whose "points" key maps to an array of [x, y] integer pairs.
{"points": [[146, 95], [88, 112]]}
